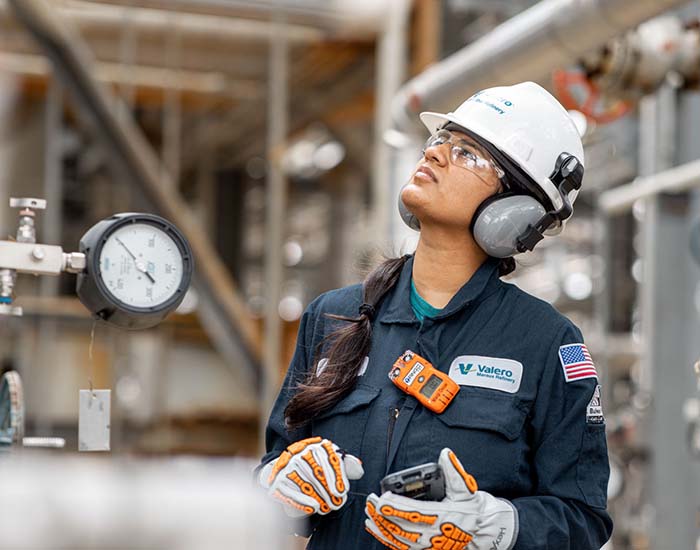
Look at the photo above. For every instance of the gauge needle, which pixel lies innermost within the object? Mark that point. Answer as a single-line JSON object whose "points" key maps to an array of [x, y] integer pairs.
{"points": [[125, 248], [139, 265]]}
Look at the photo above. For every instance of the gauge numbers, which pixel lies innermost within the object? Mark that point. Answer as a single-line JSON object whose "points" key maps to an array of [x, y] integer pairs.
{"points": [[141, 265]]}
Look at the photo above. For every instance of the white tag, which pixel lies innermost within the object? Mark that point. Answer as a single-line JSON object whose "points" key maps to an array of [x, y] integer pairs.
{"points": [[323, 363], [321, 366], [487, 372], [93, 420], [363, 367]]}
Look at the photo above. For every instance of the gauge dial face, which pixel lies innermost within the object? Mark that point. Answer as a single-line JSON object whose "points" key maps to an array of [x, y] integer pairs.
{"points": [[141, 265]]}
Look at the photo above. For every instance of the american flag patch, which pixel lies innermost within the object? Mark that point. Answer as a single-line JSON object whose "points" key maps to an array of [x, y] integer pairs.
{"points": [[577, 362]]}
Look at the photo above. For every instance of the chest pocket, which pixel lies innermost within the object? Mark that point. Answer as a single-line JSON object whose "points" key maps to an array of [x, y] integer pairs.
{"points": [[344, 424], [486, 429]]}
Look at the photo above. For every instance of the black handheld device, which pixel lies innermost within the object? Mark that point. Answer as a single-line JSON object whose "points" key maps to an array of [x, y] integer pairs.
{"points": [[423, 482]]}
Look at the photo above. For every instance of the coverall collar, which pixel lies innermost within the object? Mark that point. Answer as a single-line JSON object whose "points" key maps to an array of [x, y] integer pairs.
{"points": [[399, 303]]}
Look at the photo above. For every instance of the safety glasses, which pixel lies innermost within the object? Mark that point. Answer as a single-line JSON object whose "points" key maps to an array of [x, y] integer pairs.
{"points": [[463, 153]]}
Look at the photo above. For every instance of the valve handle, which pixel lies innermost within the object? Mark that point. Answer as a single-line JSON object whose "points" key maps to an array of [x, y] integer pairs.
{"points": [[28, 202]]}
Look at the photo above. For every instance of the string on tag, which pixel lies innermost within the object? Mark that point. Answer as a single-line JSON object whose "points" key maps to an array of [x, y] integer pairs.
{"points": [[91, 367]]}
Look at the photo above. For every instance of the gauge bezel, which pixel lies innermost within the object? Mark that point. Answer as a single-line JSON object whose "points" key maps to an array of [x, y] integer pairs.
{"points": [[96, 295], [169, 230]]}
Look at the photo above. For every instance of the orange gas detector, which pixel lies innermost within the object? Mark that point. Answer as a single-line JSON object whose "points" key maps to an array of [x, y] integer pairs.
{"points": [[417, 377]]}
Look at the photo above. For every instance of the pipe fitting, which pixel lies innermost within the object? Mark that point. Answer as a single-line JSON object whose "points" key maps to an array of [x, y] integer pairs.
{"points": [[637, 63], [7, 285], [26, 232], [75, 262]]}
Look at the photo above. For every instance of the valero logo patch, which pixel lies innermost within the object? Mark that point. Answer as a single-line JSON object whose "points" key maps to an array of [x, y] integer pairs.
{"points": [[487, 372]]}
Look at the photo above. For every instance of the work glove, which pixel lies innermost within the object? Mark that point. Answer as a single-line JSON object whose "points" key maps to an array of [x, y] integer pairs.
{"points": [[311, 477], [466, 519]]}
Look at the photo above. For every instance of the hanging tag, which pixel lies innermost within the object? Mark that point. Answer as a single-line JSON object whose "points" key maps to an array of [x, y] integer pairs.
{"points": [[93, 420]]}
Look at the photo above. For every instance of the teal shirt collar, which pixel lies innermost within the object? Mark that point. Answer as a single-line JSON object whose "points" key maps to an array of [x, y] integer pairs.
{"points": [[421, 308], [398, 308]]}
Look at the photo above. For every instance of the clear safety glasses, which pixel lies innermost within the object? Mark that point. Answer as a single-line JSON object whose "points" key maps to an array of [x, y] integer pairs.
{"points": [[463, 153]]}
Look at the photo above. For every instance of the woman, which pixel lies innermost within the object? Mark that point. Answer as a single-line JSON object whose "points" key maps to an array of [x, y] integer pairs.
{"points": [[526, 424]]}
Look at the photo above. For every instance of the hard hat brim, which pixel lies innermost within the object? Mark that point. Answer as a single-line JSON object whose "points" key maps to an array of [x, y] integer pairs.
{"points": [[434, 121]]}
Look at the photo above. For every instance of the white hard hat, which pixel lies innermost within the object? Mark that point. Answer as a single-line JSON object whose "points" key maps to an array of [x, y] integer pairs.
{"points": [[524, 122], [535, 139]]}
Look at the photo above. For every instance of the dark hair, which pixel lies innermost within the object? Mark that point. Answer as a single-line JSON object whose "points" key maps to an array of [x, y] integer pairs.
{"points": [[348, 346]]}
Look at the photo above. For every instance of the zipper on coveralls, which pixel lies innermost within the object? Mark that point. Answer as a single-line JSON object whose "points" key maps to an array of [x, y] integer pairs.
{"points": [[393, 417]]}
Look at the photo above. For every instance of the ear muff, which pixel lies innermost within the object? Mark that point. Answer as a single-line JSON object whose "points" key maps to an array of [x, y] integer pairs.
{"points": [[504, 224], [409, 219], [502, 221]]}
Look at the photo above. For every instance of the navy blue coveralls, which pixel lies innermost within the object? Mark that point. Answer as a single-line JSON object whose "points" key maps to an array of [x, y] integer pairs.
{"points": [[534, 447]]}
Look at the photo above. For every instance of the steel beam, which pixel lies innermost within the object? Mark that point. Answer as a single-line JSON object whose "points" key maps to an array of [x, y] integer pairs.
{"points": [[671, 324], [347, 18], [156, 24]]}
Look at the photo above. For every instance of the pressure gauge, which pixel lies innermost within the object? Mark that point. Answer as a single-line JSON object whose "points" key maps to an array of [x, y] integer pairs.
{"points": [[139, 267]]}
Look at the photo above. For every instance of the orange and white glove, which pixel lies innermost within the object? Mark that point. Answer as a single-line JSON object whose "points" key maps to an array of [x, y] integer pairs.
{"points": [[311, 477], [466, 519]]}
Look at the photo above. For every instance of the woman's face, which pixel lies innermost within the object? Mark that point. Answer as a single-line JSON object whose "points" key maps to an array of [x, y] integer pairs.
{"points": [[448, 185]]}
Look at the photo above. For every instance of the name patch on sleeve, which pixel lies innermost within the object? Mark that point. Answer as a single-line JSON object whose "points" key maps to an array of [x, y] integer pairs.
{"points": [[594, 410], [576, 362]]}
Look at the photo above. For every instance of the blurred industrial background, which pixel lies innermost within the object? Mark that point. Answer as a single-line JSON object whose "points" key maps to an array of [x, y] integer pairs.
{"points": [[276, 133]]}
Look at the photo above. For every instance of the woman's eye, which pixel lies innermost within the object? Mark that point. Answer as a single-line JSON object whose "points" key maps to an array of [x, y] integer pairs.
{"points": [[464, 153]]}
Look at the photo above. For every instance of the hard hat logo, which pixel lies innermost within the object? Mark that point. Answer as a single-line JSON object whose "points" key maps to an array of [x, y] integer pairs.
{"points": [[491, 101]]}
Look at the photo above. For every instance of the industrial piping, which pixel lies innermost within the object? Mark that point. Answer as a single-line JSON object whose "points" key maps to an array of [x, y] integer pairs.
{"points": [[550, 34]]}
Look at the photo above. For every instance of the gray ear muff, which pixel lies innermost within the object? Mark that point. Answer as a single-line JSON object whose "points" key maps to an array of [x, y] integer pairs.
{"points": [[501, 220], [409, 219]]}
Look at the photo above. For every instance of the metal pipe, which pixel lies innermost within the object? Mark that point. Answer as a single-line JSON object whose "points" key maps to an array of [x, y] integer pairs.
{"points": [[391, 69], [677, 179], [51, 222], [343, 17], [277, 122], [526, 47]]}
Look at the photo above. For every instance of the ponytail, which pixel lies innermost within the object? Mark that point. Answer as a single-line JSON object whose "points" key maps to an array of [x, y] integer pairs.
{"points": [[349, 345]]}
